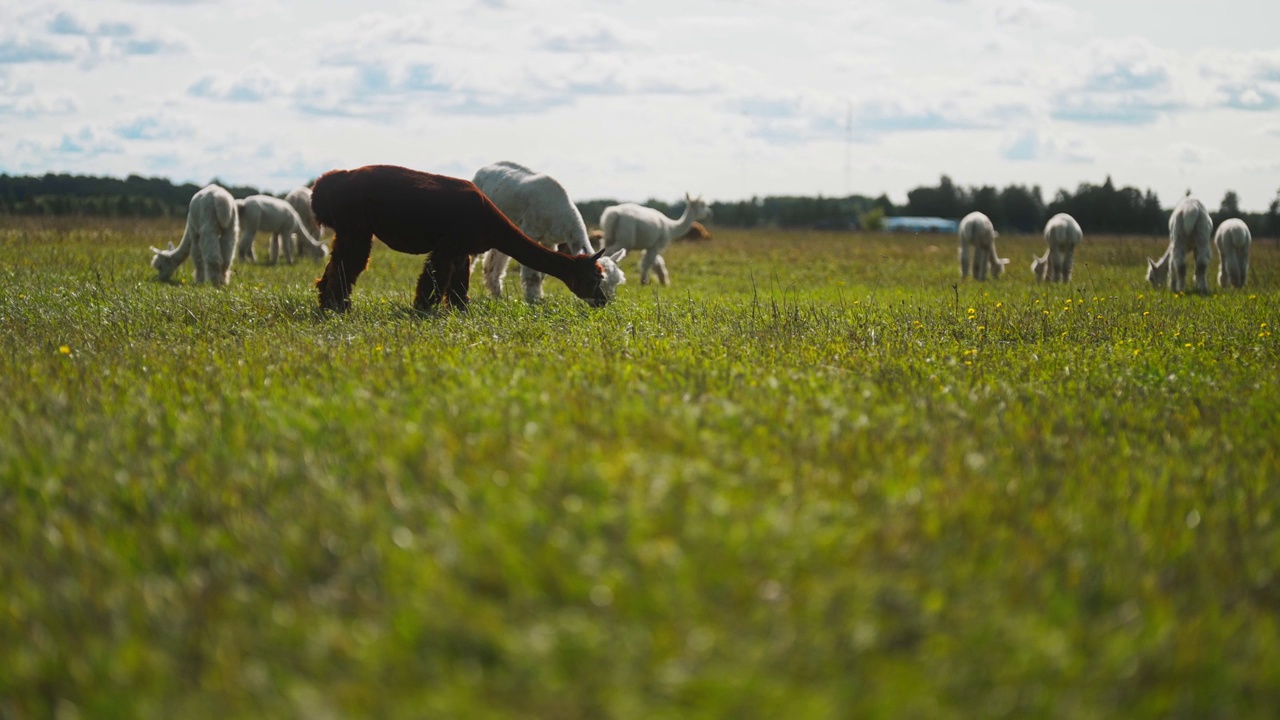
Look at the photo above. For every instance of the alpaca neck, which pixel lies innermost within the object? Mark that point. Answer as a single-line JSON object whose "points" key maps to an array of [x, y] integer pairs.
{"points": [[528, 252], [676, 228]]}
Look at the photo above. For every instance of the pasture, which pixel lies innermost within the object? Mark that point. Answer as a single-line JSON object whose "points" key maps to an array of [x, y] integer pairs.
{"points": [[816, 477]]}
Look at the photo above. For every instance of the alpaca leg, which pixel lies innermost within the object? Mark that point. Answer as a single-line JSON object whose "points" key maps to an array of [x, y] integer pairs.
{"points": [[495, 268], [227, 245], [993, 259], [435, 279], [1178, 271], [349, 258], [459, 283], [660, 271], [532, 281], [197, 259], [273, 248], [1068, 264], [244, 250], [286, 241], [966, 251], [1242, 266], [1202, 271], [980, 263], [214, 266], [646, 264]]}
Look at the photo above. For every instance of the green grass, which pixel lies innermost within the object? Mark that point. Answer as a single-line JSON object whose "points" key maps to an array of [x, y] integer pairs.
{"points": [[816, 477]]}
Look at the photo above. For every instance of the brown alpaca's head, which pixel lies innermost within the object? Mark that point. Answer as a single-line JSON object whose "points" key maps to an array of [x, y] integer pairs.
{"points": [[596, 277]]}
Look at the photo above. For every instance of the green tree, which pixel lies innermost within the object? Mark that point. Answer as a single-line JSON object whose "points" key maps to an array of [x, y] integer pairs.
{"points": [[1230, 207]]}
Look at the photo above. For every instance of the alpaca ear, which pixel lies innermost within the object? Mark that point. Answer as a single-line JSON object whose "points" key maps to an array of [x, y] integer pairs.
{"points": [[1151, 263], [687, 198], [171, 247], [617, 257], [599, 254], [156, 250]]}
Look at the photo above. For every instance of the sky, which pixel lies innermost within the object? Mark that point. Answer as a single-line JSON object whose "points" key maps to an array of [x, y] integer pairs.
{"points": [[638, 99]]}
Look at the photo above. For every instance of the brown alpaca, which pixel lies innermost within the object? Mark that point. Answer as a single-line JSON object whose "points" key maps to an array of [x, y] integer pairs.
{"points": [[445, 218], [697, 231]]}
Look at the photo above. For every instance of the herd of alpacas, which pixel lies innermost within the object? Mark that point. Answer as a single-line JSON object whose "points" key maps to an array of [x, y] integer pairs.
{"points": [[509, 211]]}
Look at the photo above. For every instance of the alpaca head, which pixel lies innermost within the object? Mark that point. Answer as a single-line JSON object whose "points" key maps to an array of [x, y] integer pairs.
{"points": [[1040, 267], [163, 262], [698, 207], [613, 275], [1158, 272], [997, 265], [596, 277], [313, 250]]}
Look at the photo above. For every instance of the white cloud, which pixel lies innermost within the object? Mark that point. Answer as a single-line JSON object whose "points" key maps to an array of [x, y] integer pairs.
{"points": [[1036, 145], [1024, 15], [255, 84], [731, 97]]}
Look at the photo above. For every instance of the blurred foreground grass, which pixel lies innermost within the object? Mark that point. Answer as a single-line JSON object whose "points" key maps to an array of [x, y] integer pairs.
{"points": [[816, 477]]}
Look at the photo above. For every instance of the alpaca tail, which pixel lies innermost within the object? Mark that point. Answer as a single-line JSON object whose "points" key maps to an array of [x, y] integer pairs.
{"points": [[1190, 219], [608, 223], [226, 213]]}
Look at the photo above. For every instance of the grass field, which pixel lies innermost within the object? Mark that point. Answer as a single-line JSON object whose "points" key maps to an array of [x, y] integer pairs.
{"points": [[816, 477]]}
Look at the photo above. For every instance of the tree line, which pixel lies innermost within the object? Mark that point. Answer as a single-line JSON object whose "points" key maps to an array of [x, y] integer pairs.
{"points": [[135, 196], [1016, 208]]}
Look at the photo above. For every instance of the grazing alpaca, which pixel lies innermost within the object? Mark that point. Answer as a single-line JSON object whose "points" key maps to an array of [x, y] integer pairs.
{"points": [[445, 218], [209, 238], [1063, 234], [541, 208], [697, 231], [978, 247], [299, 199], [1233, 240], [634, 227], [273, 215], [1189, 229]]}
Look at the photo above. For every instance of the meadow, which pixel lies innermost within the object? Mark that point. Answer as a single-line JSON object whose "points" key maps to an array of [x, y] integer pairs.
{"points": [[816, 477]]}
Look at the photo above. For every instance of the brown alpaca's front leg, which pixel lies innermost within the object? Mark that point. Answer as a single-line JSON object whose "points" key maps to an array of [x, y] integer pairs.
{"points": [[349, 257], [459, 282], [431, 283]]}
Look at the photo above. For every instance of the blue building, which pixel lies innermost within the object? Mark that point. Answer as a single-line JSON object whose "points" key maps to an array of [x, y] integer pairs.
{"points": [[921, 225]]}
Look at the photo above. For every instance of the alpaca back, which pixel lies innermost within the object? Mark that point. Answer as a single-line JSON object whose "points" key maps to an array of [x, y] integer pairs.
{"points": [[1190, 226], [214, 211], [271, 214], [1233, 240], [412, 211], [976, 229], [299, 199], [634, 227], [535, 202], [1062, 232]]}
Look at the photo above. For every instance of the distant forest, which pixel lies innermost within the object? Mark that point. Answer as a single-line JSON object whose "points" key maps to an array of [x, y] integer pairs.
{"points": [[1017, 208]]}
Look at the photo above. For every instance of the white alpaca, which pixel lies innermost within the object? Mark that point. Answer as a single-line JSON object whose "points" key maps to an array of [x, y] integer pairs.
{"points": [[300, 199], [978, 247], [209, 238], [1063, 234], [1190, 227], [541, 208], [635, 227], [1233, 241], [273, 215]]}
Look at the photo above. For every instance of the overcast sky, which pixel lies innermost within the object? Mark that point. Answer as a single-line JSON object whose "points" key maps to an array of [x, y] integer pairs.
{"points": [[634, 99]]}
